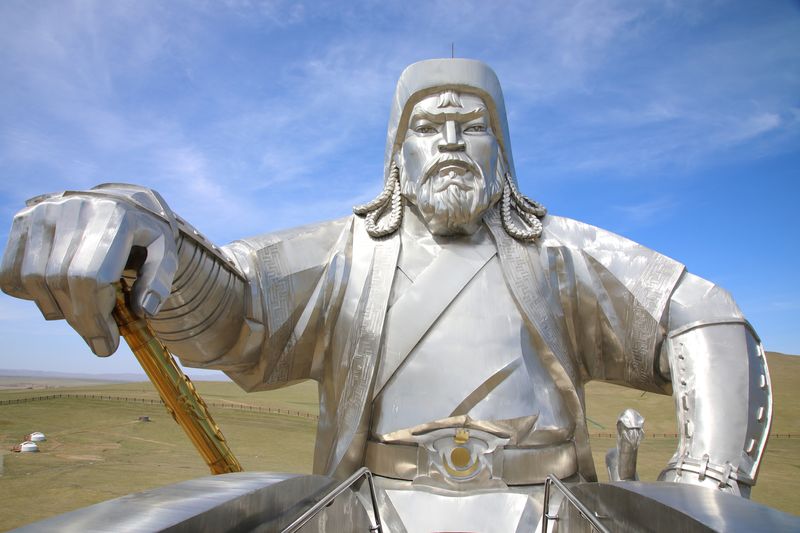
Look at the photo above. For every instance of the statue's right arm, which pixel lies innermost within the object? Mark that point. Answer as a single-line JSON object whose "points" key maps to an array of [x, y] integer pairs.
{"points": [[66, 250]]}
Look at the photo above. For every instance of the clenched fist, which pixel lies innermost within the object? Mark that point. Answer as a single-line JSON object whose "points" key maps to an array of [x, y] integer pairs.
{"points": [[66, 250]]}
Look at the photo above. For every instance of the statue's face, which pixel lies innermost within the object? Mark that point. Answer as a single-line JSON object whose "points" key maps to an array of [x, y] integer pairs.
{"points": [[448, 162]]}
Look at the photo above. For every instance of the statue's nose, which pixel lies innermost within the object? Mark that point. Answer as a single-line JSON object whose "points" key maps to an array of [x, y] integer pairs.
{"points": [[451, 140]]}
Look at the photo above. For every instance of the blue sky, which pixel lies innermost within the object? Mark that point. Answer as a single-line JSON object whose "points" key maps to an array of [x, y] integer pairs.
{"points": [[676, 124]]}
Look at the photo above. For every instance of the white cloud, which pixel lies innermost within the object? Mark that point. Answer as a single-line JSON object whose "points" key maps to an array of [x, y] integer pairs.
{"points": [[280, 13], [250, 115], [743, 129], [651, 211]]}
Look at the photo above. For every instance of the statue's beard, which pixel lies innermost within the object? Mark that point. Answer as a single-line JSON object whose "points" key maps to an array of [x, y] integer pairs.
{"points": [[452, 194]]}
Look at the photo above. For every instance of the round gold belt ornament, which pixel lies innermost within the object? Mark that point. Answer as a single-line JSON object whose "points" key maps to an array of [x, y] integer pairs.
{"points": [[461, 466], [460, 457]]}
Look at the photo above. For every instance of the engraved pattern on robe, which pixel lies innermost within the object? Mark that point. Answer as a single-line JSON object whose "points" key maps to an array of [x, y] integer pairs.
{"points": [[607, 302]]}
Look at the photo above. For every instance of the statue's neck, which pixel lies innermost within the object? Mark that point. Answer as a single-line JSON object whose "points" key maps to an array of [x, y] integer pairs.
{"points": [[414, 229]]}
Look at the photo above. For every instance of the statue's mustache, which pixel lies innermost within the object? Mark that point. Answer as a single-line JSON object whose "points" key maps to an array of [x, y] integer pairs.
{"points": [[454, 159]]}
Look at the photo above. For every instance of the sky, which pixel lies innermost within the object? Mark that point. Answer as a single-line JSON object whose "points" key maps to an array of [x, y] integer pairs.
{"points": [[674, 123]]}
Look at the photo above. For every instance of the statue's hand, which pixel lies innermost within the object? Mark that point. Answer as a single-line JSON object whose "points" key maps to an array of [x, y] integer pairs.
{"points": [[65, 251]]}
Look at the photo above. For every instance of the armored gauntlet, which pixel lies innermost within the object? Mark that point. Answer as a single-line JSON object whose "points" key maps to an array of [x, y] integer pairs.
{"points": [[66, 250], [723, 400], [203, 317]]}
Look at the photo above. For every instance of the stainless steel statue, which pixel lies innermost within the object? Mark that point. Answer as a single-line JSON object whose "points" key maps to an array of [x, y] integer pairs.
{"points": [[621, 461], [451, 323]]}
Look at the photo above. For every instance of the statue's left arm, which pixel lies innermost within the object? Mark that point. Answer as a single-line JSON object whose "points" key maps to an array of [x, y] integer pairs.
{"points": [[637, 318], [718, 371]]}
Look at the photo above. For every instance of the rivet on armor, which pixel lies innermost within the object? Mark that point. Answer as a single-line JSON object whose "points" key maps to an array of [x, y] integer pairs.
{"points": [[762, 381], [703, 467], [751, 445], [726, 475], [760, 415], [685, 402]]}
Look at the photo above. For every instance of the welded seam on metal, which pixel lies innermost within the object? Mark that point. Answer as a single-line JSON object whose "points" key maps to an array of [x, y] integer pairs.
{"points": [[569, 495], [328, 498]]}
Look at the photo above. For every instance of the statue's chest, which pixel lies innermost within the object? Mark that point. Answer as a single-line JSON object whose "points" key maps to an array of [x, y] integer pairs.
{"points": [[475, 363]]}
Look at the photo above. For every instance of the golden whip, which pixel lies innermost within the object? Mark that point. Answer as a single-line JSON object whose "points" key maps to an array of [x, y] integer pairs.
{"points": [[176, 389]]}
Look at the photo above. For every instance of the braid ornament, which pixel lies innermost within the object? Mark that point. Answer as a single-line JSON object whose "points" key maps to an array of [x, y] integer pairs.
{"points": [[378, 225], [529, 211]]}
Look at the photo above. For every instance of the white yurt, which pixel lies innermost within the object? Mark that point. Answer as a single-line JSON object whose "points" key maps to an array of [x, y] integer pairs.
{"points": [[37, 436], [28, 446]]}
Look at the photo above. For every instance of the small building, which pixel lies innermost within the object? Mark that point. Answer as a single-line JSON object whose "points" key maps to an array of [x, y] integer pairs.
{"points": [[27, 446]]}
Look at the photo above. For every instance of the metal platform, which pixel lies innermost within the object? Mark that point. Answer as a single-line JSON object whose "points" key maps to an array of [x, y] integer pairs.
{"points": [[270, 502]]}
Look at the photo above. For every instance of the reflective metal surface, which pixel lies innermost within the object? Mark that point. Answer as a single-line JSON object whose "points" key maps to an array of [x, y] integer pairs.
{"points": [[278, 502], [66, 250], [570, 505], [661, 507], [253, 501], [505, 390], [723, 401], [310, 516], [465, 459], [621, 461], [455, 303]]}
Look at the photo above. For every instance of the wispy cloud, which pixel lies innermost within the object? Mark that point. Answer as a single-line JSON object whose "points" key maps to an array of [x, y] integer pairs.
{"points": [[666, 103], [650, 212], [281, 13], [746, 128], [252, 115]]}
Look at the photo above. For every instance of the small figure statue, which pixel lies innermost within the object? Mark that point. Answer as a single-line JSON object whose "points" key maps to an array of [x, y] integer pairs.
{"points": [[621, 461], [451, 324]]}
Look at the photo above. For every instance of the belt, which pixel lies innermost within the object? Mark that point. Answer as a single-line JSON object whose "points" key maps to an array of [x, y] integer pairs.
{"points": [[463, 460]]}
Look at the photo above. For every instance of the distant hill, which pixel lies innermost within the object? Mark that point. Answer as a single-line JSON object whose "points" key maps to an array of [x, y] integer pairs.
{"points": [[770, 354], [39, 375]]}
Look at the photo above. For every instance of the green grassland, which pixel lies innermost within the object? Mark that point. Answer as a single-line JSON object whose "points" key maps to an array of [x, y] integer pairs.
{"points": [[98, 449], [779, 476]]}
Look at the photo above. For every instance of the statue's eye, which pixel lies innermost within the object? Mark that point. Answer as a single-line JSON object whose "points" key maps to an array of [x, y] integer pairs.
{"points": [[425, 129], [477, 128]]}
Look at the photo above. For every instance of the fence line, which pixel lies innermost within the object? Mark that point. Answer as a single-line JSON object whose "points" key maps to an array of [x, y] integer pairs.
{"points": [[154, 401], [287, 412], [675, 435]]}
